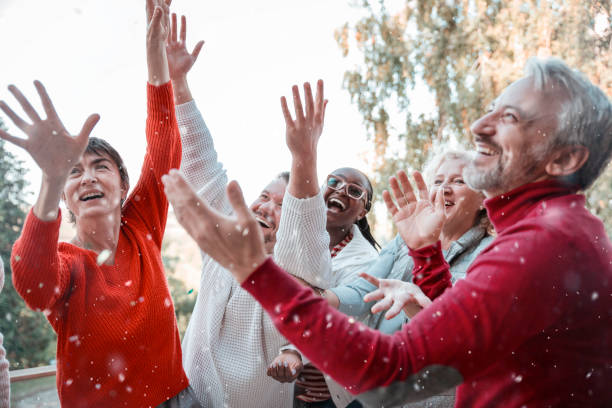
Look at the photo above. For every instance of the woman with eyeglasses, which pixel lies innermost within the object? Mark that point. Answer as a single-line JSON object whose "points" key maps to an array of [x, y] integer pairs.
{"points": [[336, 214], [348, 197]]}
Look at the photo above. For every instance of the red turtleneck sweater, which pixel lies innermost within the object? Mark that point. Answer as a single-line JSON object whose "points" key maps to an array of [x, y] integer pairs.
{"points": [[531, 325], [117, 339]]}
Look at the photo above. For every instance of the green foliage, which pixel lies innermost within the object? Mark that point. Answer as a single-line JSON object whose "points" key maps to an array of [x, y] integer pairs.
{"points": [[184, 299], [29, 340], [184, 302], [465, 53]]}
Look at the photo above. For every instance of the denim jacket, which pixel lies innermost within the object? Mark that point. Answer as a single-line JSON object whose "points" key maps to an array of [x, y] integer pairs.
{"points": [[394, 263]]}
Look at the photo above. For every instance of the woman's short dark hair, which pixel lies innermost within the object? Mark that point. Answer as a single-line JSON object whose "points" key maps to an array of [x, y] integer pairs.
{"points": [[101, 147]]}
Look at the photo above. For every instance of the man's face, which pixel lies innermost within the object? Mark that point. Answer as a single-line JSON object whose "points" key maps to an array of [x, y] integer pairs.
{"points": [[512, 139], [267, 211]]}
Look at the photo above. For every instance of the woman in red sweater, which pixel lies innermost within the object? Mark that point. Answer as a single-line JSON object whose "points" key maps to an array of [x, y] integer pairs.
{"points": [[105, 293]]}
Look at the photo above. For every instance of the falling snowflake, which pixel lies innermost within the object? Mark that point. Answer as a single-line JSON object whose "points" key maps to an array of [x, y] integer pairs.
{"points": [[103, 256]]}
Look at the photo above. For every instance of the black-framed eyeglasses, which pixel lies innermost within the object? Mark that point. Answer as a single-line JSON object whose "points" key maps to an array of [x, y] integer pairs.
{"points": [[352, 190]]}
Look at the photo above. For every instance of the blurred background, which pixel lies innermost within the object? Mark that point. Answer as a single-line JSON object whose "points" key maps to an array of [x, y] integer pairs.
{"points": [[402, 77]]}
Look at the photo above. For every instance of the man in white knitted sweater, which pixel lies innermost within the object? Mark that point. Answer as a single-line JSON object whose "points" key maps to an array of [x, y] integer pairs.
{"points": [[230, 340]]}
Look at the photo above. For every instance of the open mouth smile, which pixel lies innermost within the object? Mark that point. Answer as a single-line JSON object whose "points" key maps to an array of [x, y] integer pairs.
{"points": [[91, 196], [263, 222], [485, 150], [335, 205]]}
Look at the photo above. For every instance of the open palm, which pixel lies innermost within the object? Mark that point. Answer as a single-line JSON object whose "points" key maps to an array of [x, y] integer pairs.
{"points": [[51, 146], [419, 222], [235, 241], [303, 133], [180, 60]]}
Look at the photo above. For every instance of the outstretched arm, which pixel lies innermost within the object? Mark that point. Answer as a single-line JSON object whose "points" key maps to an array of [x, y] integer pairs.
{"points": [[302, 136], [302, 241], [158, 28], [199, 162], [51, 146], [39, 274], [180, 60], [148, 202]]}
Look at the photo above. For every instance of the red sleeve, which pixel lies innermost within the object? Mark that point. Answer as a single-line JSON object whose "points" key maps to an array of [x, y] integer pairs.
{"points": [[148, 201], [431, 272], [466, 328], [40, 275]]}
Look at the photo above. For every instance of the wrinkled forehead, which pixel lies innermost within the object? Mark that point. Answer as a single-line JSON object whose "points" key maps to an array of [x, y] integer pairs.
{"points": [[533, 102], [275, 189], [91, 157], [450, 166]]}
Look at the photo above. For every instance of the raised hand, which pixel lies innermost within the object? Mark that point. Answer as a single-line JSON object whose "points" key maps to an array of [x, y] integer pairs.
{"points": [[302, 137], [51, 146], [158, 28], [235, 241], [395, 295], [180, 60], [158, 20], [419, 222], [303, 133], [286, 367]]}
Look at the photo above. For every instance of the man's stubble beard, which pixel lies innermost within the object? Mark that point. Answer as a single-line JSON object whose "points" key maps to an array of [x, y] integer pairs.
{"points": [[483, 180], [506, 175]]}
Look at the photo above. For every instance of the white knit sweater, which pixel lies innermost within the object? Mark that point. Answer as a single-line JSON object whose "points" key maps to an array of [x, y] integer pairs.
{"points": [[309, 241], [230, 340]]}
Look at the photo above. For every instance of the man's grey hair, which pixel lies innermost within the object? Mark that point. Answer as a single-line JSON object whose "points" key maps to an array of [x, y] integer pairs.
{"points": [[585, 118]]}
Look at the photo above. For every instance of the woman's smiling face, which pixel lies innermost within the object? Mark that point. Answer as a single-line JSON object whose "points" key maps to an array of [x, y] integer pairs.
{"points": [[461, 203], [94, 187], [342, 208]]}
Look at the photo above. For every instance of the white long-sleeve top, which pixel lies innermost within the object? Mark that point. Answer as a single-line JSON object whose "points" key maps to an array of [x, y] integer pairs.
{"points": [[230, 340], [302, 241], [307, 241]]}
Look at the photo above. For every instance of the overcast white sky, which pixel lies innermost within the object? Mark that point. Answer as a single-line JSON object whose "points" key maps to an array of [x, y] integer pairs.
{"points": [[90, 56]]}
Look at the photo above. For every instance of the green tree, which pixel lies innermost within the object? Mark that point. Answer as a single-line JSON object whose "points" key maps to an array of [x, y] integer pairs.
{"points": [[28, 338], [464, 53], [184, 299]]}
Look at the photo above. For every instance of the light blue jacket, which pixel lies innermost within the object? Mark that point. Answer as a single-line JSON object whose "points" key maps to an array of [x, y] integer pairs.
{"points": [[394, 263]]}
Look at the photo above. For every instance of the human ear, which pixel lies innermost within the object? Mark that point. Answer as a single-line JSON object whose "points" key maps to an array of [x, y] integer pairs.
{"points": [[361, 214], [125, 187], [567, 160]]}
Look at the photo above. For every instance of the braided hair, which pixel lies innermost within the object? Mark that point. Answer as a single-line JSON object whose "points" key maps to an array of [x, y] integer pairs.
{"points": [[362, 224]]}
